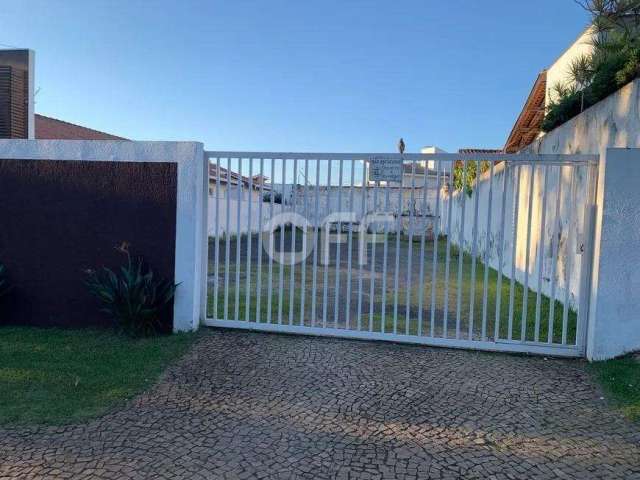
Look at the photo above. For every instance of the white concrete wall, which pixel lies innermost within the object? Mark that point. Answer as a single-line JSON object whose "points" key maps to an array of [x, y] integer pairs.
{"points": [[613, 122], [189, 265], [564, 220], [614, 318], [234, 208], [329, 202]]}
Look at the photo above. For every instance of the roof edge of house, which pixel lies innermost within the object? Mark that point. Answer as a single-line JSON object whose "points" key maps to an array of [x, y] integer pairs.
{"points": [[86, 129]]}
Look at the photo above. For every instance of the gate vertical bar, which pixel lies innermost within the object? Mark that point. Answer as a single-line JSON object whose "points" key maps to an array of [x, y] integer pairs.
{"points": [[436, 241], [474, 250], [527, 255], [292, 274], [314, 281], [487, 257], [372, 281], [260, 227], [216, 287], [249, 235], [396, 279], [422, 245], [362, 245], [569, 257], [514, 250], [503, 209], [336, 306], [385, 252], [410, 253], [541, 251], [228, 242], [305, 240], [447, 267], [463, 194], [555, 247], [350, 248], [327, 249], [271, 240], [282, 235], [238, 243]]}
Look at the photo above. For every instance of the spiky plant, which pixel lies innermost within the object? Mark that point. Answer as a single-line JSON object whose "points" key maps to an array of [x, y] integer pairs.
{"points": [[133, 298], [581, 72]]}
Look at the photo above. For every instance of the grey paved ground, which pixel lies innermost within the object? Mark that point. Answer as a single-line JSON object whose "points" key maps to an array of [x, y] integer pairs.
{"points": [[245, 405]]}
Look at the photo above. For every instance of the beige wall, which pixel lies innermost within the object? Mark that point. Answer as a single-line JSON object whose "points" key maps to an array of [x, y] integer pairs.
{"points": [[558, 72]]}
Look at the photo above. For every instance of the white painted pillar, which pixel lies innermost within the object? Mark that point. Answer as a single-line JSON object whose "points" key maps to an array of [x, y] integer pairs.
{"points": [[614, 313], [190, 267]]}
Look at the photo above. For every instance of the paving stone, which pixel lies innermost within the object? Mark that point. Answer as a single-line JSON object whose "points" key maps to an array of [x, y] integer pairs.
{"points": [[248, 405]]}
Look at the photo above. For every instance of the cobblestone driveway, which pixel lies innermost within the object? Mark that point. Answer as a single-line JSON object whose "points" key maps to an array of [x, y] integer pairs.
{"points": [[249, 405]]}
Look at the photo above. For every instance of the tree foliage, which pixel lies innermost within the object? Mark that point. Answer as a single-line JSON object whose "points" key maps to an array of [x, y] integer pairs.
{"points": [[613, 62], [465, 173]]}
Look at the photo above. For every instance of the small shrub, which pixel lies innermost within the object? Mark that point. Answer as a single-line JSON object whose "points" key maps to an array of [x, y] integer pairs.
{"points": [[561, 110], [459, 176], [133, 298], [277, 197]]}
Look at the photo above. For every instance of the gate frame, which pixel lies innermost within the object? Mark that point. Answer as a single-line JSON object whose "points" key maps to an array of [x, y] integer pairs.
{"points": [[499, 345]]}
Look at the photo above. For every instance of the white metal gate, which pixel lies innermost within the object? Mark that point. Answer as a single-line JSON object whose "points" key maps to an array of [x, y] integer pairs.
{"points": [[482, 251]]}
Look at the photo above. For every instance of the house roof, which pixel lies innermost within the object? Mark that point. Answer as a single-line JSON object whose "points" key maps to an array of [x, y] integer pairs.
{"points": [[527, 126], [48, 128], [480, 150], [231, 177]]}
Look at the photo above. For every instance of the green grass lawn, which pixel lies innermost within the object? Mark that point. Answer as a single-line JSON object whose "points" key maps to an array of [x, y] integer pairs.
{"points": [[54, 376], [563, 322], [620, 380]]}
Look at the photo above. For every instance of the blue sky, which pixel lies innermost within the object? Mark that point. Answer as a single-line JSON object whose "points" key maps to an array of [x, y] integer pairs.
{"points": [[292, 75]]}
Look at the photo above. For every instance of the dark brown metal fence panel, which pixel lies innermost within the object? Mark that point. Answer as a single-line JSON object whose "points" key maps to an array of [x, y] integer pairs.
{"points": [[59, 218]]}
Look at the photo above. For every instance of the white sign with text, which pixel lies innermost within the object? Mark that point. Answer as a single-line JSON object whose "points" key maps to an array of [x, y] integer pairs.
{"points": [[385, 169]]}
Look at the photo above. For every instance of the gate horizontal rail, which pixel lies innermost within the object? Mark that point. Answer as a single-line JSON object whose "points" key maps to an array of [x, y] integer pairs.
{"points": [[509, 347], [320, 244], [412, 157]]}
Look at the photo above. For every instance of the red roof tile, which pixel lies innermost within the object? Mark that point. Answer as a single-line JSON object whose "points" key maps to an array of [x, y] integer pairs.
{"points": [[53, 129]]}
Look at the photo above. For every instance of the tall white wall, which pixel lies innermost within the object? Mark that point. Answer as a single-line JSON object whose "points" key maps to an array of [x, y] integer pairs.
{"points": [[614, 320], [613, 122], [564, 220]]}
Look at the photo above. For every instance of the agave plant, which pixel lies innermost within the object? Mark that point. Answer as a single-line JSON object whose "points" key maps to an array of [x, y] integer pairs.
{"points": [[132, 297]]}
